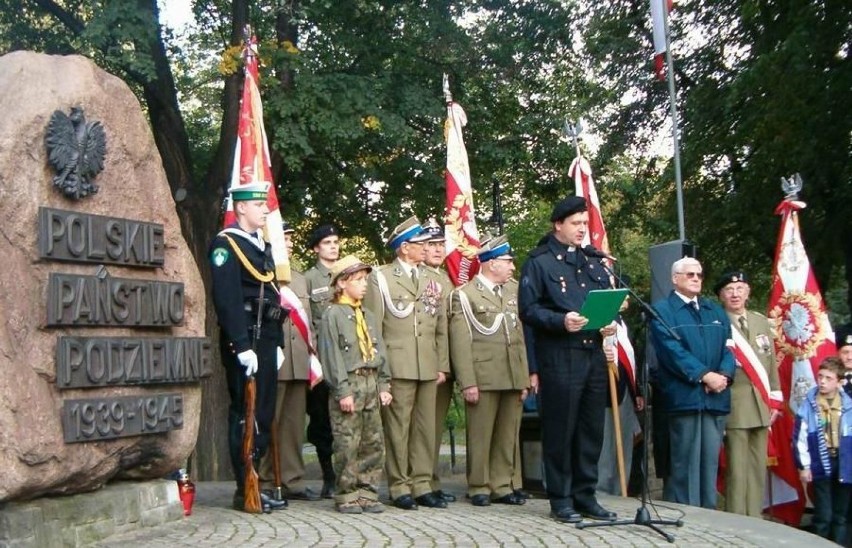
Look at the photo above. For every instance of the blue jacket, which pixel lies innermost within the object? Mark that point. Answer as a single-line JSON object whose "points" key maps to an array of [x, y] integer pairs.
{"points": [[809, 448], [702, 348]]}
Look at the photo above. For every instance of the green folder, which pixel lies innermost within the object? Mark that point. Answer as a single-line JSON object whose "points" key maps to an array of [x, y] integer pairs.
{"points": [[601, 306]]}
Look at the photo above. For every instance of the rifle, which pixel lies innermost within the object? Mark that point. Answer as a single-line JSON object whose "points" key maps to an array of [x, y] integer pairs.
{"points": [[251, 483], [276, 462]]}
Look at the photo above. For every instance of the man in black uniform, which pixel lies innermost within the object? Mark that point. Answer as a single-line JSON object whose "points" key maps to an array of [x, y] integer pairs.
{"points": [[571, 380], [243, 287]]}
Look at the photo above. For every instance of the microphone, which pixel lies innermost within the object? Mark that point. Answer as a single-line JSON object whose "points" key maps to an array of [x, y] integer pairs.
{"points": [[591, 251]]}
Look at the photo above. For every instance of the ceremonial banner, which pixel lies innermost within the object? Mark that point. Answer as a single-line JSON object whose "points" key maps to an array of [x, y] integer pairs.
{"points": [[803, 338], [252, 163], [659, 28], [299, 318], [462, 237]]}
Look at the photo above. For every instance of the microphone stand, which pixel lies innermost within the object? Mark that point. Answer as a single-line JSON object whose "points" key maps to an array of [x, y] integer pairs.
{"points": [[643, 516]]}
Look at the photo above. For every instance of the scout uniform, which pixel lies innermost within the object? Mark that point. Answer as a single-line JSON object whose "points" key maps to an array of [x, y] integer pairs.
{"points": [[411, 310], [487, 351], [355, 365]]}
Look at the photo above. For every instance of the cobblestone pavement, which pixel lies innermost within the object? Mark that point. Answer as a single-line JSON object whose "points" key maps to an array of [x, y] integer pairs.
{"points": [[213, 523]]}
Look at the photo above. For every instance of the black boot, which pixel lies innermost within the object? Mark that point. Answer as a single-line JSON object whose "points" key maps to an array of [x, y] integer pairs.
{"points": [[328, 478]]}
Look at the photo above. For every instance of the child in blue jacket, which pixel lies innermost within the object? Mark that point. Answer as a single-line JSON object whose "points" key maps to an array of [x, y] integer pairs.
{"points": [[822, 448]]}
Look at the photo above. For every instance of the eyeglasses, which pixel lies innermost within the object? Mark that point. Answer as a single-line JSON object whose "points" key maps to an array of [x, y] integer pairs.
{"points": [[739, 290], [699, 275]]}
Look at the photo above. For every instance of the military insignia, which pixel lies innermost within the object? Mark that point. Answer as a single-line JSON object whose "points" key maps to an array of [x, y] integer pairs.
{"points": [[559, 257], [798, 328], [219, 256], [848, 339], [735, 278], [763, 343]]}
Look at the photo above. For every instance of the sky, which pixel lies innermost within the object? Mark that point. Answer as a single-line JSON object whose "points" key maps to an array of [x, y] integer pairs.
{"points": [[175, 13]]}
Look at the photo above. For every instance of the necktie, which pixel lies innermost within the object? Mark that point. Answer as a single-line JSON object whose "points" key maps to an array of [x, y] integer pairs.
{"points": [[694, 305], [414, 277], [497, 291], [365, 344], [743, 325]]}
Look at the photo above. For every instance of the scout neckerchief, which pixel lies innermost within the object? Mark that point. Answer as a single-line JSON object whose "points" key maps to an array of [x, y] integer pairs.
{"points": [[365, 344], [263, 278], [829, 410]]}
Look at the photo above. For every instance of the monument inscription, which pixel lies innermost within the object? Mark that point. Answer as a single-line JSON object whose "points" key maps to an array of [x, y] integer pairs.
{"points": [[96, 419]]}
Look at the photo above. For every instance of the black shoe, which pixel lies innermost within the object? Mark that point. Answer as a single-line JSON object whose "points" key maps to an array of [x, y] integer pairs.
{"points": [[405, 502], [446, 497], [327, 489], [238, 503], [523, 494], [268, 499], [307, 494], [598, 512], [429, 500], [511, 498], [480, 500], [566, 515]]}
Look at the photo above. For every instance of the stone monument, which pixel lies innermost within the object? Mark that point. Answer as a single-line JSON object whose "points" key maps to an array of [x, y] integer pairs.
{"points": [[102, 306]]}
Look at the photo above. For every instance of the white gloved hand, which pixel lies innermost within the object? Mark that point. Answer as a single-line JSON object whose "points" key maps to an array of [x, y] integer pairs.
{"points": [[248, 359], [280, 360]]}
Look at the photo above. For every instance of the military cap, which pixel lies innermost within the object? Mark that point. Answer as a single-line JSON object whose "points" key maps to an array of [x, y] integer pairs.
{"points": [[728, 278], [407, 231], [249, 192], [495, 248], [434, 230], [286, 228], [843, 336], [320, 233], [349, 264], [567, 207]]}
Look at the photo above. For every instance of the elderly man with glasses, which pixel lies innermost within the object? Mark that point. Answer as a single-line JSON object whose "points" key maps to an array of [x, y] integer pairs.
{"points": [[691, 337]]}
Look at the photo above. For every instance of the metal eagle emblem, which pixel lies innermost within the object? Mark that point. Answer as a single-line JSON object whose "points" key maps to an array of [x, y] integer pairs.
{"points": [[76, 150]]}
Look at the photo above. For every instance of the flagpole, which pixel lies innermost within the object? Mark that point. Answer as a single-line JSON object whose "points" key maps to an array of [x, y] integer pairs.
{"points": [[675, 138]]}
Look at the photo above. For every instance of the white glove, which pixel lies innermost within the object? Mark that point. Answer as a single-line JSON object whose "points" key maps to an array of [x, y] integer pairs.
{"points": [[280, 360], [248, 359]]}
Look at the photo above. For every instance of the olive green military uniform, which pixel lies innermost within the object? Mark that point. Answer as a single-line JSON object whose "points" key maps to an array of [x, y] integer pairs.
{"points": [[487, 351], [444, 391], [358, 438], [747, 428], [290, 404], [320, 292], [413, 321]]}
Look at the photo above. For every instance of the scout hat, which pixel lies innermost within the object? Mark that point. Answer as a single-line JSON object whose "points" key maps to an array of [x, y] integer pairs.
{"points": [[320, 233], [728, 278], [349, 264], [249, 192], [495, 248], [567, 207], [434, 230], [843, 336], [407, 231]]}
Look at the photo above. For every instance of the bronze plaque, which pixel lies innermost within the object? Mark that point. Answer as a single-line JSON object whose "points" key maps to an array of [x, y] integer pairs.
{"points": [[79, 301], [90, 362], [107, 418], [73, 236]]}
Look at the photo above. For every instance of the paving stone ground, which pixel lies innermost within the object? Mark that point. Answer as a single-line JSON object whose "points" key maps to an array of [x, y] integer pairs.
{"points": [[304, 524]]}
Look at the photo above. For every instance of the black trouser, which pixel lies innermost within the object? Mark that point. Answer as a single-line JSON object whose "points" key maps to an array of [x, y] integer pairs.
{"points": [[319, 427], [572, 390], [266, 385]]}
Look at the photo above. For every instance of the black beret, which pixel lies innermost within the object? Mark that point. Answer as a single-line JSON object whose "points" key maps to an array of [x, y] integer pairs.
{"points": [[843, 336], [286, 228], [320, 233], [567, 207], [729, 278]]}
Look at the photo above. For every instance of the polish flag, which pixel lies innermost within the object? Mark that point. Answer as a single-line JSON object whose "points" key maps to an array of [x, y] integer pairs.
{"points": [[462, 237], [299, 317], [803, 338], [659, 27], [252, 164]]}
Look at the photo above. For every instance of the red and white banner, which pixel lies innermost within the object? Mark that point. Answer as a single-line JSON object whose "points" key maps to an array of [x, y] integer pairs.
{"points": [[803, 338], [751, 365], [658, 20], [299, 318], [584, 185], [460, 224], [252, 164]]}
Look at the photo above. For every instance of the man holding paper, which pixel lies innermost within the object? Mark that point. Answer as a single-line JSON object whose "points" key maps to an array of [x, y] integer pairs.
{"points": [[571, 372]]}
